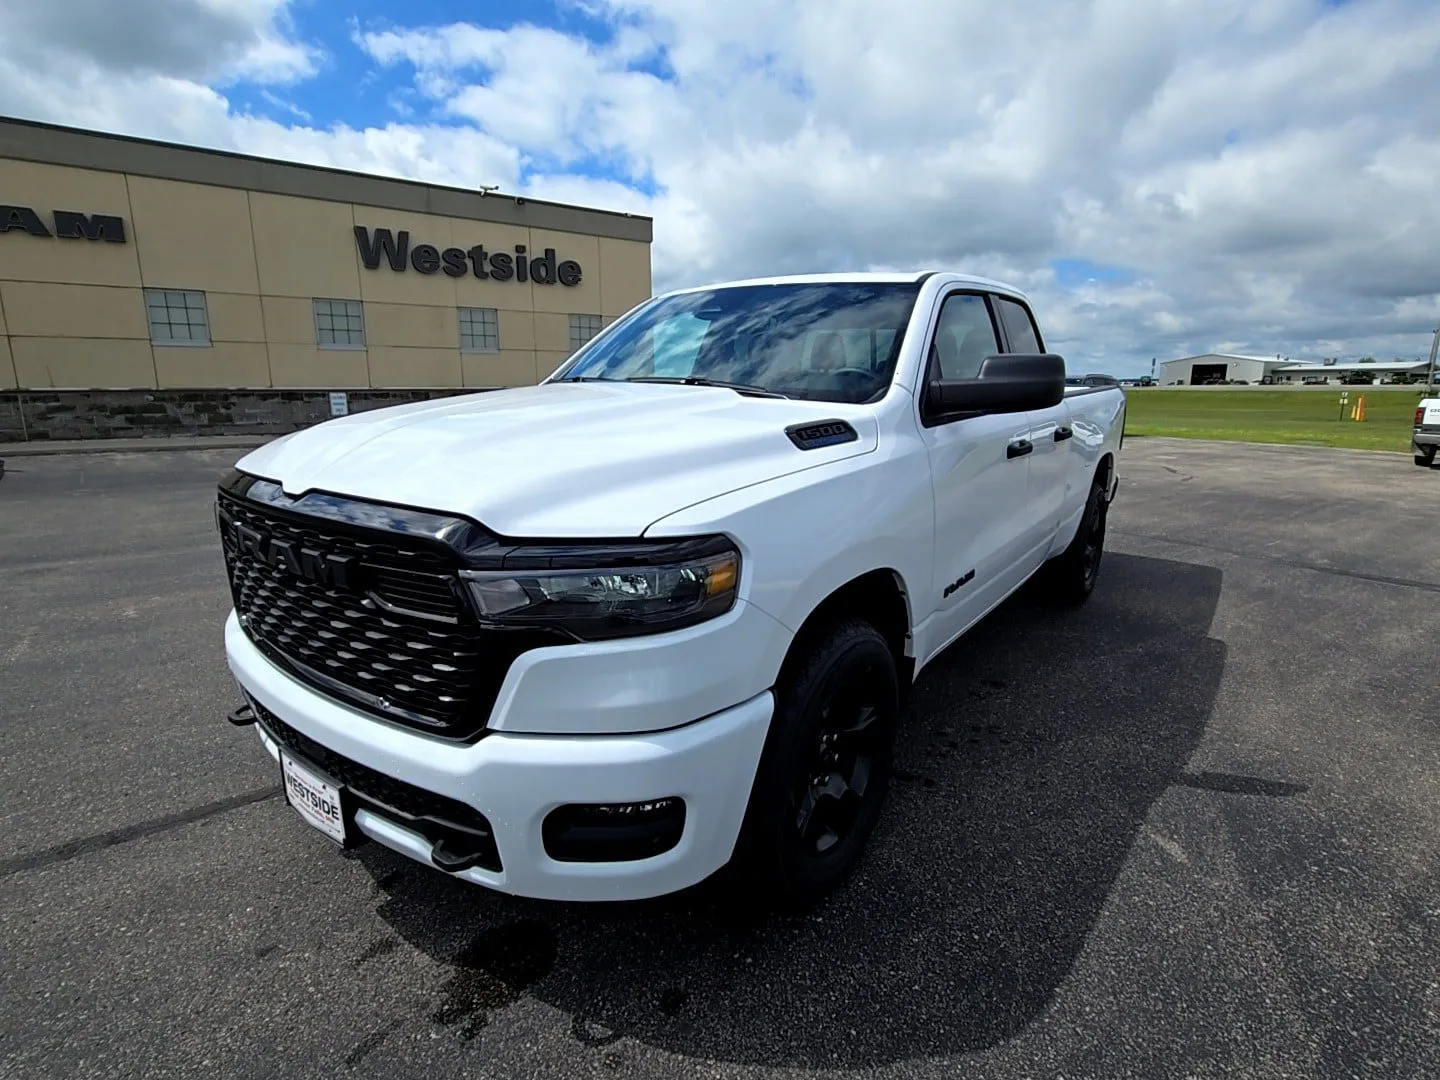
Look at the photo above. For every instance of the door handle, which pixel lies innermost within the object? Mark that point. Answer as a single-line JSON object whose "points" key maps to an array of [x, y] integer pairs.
{"points": [[1019, 448], [1061, 434]]}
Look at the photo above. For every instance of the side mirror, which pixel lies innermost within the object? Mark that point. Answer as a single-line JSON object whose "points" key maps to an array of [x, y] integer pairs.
{"points": [[1007, 383]]}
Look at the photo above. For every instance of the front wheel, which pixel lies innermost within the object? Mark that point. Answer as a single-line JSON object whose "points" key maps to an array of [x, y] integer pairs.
{"points": [[825, 769]]}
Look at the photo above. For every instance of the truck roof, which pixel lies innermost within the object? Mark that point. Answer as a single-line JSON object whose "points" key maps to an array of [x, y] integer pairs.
{"points": [[860, 276]]}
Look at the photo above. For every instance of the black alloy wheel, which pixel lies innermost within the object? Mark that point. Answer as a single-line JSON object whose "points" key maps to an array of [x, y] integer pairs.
{"points": [[1070, 577], [825, 770], [829, 800], [1094, 544]]}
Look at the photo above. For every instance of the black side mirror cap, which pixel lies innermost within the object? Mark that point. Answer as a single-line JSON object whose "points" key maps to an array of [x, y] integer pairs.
{"points": [[1005, 383]]}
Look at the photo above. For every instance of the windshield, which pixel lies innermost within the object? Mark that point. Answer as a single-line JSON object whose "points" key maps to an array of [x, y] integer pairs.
{"points": [[821, 341]]}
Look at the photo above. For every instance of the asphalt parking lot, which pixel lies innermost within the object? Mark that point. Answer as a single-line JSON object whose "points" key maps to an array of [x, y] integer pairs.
{"points": [[1191, 830]]}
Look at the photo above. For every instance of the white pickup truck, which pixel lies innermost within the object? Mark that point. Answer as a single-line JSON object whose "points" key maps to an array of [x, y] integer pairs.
{"points": [[657, 617], [1426, 436]]}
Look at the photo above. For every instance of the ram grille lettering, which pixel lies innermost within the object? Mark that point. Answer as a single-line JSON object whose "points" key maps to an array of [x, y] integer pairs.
{"points": [[322, 567]]}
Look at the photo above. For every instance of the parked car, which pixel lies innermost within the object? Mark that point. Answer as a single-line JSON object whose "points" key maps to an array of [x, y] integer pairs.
{"points": [[656, 617], [1426, 436]]}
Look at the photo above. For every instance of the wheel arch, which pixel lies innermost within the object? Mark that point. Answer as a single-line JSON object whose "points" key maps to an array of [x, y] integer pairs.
{"points": [[1105, 472], [879, 597]]}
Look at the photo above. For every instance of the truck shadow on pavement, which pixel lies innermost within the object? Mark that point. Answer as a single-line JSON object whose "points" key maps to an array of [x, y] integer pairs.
{"points": [[1034, 751]]}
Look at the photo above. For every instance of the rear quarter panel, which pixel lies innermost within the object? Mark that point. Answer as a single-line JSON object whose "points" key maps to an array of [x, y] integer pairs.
{"points": [[1097, 416]]}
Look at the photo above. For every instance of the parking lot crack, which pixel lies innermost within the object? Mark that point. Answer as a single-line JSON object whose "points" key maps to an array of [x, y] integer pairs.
{"points": [[73, 849], [1298, 564]]}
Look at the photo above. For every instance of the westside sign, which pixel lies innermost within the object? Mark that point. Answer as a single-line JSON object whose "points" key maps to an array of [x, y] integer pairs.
{"points": [[457, 262], [69, 224]]}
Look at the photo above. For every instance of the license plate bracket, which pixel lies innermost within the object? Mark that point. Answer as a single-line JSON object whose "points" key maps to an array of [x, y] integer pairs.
{"points": [[321, 801]]}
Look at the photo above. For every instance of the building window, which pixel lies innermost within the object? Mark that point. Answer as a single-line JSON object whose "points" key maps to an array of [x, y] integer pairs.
{"points": [[339, 324], [479, 329], [582, 329], [177, 317]]}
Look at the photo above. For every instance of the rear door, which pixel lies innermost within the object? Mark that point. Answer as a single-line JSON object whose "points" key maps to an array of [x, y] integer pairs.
{"points": [[1052, 469], [980, 470]]}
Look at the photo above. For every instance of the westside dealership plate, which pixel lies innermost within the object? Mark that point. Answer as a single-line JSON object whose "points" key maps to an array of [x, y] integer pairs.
{"points": [[316, 800]]}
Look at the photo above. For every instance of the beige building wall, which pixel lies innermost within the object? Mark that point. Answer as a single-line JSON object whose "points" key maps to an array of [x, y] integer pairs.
{"points": [[73, 311]]}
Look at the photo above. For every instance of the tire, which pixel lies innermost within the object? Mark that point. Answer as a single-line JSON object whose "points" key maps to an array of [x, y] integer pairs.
{"points": [[1070, 577], [824, 772], [1425, 458]]}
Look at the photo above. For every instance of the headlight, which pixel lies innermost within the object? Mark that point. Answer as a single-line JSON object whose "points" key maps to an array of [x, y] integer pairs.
{"points": [[608, 602]]}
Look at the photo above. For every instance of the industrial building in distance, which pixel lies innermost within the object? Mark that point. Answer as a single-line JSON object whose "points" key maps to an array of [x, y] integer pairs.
{"points": [[1210, 369], [149, 288]]}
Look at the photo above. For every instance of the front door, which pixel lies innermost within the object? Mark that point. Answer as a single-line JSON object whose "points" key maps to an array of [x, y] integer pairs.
{"points": [[980, 468], [1052, 469]]}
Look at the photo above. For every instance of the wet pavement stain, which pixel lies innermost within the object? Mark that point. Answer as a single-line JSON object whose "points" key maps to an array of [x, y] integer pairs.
{"points": [[383, 883], [364, 1048], [986, 689], [672, 1000], [1232, 784], [591, 1033], [379, 947], [493, 971], [904, 776]]}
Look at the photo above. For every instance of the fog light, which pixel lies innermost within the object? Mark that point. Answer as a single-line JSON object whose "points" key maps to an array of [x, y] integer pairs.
{"points": [[613, 832]]}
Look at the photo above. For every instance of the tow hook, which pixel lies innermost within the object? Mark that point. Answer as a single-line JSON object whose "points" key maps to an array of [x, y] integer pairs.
{"points": [[453, 858], [244, 716]]}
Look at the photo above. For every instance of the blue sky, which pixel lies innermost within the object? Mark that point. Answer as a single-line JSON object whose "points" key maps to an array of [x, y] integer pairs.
{"points": [[351, 88], [1253, 176]]}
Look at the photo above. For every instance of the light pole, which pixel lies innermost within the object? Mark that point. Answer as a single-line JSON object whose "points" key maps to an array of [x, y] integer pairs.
{"points": [[1430, 371]]}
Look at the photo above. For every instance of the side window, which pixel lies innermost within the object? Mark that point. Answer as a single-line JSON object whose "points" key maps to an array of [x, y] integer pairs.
{"points": [[1019, 326], [964, 337]]}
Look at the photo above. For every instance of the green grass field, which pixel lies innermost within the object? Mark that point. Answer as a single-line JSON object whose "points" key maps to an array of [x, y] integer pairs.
{"points": [[1299, 417]]}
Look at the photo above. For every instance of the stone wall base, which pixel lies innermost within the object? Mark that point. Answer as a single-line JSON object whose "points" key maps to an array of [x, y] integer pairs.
{"points": [[32, 416]]}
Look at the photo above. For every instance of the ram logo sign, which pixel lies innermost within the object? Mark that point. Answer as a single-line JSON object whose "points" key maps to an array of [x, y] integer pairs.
{"points": [[69, 224]]}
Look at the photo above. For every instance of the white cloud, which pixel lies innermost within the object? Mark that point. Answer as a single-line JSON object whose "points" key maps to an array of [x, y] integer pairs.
{"points": [[1262, 172], [203, 40]]}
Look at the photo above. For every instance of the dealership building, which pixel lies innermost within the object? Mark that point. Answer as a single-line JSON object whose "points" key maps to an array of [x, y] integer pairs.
{"points": [[149, 288]]}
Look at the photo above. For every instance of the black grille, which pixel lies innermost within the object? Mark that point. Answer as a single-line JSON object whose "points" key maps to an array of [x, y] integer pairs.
{"points": [[436, 817], [392, 636]]}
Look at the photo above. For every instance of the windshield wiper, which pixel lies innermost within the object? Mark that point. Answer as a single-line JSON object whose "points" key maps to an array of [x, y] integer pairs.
{"points": [[695, 380]]}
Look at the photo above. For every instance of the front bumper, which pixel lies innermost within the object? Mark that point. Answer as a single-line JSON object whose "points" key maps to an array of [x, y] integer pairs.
{"points": [[515, 780]]}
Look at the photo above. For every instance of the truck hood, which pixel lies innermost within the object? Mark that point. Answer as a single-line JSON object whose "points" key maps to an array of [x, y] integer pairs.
{"points": [[558, 460]]}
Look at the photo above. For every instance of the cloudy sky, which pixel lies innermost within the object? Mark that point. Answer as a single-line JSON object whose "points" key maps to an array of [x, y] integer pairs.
{"points": [[1163, 176]]}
